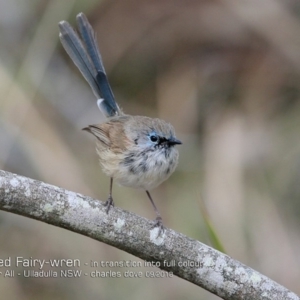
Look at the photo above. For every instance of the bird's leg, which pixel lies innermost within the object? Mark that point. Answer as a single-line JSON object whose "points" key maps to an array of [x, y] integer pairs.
{"points": [[158, 221], [109, 202]]}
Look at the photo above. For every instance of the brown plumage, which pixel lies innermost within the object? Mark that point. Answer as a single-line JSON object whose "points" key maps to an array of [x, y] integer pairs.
{"points": [[135, 151], [127, 155]]}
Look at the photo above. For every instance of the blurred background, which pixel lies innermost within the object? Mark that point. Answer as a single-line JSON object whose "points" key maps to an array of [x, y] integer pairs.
{"points": [[225, 73]]}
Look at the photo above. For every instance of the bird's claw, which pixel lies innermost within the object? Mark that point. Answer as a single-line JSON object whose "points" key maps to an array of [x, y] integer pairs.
{"points": [[158, 224], [109, 203]]}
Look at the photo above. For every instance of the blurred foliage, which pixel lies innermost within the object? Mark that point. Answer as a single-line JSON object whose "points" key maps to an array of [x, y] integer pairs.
{"points": [[224, 73]]}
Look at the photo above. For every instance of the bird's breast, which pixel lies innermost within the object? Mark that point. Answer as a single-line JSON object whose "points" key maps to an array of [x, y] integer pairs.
{"points": [[147, 169]]}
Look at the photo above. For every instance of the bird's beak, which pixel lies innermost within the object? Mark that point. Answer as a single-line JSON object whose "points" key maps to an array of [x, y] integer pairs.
{"points": [[173, 141]]}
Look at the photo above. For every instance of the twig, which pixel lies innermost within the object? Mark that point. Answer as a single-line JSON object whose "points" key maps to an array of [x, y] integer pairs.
{"points": [[174, 252]]}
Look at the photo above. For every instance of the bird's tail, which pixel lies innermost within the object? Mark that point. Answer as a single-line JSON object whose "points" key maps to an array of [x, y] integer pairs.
{"points": [[85, 54]]}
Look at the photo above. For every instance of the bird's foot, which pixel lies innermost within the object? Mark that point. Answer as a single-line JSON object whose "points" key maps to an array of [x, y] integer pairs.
{"points": [[158, 224], [109, 203]]}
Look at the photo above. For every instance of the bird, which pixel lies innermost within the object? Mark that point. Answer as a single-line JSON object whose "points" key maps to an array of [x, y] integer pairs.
{"points": [[134, 151]]}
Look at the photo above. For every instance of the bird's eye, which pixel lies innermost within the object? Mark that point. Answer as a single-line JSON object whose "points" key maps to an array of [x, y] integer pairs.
{"points": [[153, 138]]}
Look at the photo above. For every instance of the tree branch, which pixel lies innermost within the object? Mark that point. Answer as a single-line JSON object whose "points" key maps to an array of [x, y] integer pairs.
{"points": [[186, 258]]}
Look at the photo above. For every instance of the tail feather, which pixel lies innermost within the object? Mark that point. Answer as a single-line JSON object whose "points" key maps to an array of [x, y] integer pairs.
{"points": [[86, 56]]}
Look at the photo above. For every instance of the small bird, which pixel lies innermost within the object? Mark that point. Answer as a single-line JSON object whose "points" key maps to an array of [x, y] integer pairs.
{"points": [[135, 151]]}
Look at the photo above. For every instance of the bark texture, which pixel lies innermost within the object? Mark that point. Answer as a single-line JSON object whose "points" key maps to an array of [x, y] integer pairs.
{"points": [[185, 257]]}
